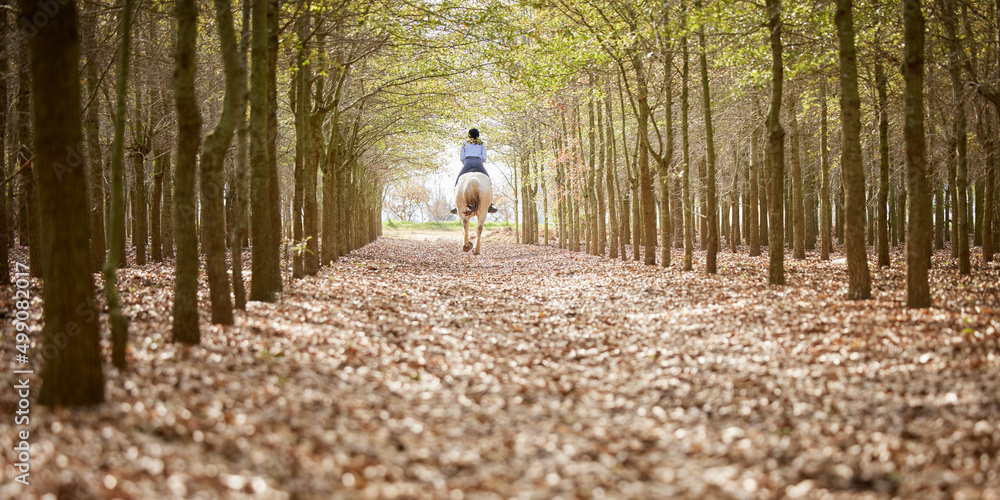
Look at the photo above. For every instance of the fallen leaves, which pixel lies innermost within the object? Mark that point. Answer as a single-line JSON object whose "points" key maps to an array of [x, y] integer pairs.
{"points": [[410, 369]]}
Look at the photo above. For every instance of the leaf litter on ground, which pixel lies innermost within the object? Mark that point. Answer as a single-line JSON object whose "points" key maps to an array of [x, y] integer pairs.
{"points": [[409, 369]]}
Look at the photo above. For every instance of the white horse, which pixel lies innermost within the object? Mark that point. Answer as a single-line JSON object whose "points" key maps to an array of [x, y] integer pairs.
{"points": [[473, 196]]}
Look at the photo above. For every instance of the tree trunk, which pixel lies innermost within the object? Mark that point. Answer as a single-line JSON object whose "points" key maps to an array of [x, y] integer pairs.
{"points": [[273, 264], [299, 97], [734, 223], [825, 200], [140, 236], [918, 242], [93, 127], [185, 322], [72, 374], [989, 200], [688, 206], [852, 169], [645, 178], [960, 207], [602, 228], [776, 150], [882, 216], [5, 234], [167, 210], [263, 208], [798, 204], [156, 242], [754, 181], [712, 237], [764, 179], [212, 176], [28, 222], [611, 171]]}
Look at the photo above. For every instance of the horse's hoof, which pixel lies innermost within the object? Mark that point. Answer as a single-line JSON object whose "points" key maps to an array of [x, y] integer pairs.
{"points": [[467, 247], [475, 252]]}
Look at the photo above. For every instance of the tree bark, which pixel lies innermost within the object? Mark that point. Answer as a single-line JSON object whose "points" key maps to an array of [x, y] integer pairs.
{"points": [[263, 209], [299, 97], [5, 233], [212, 179], [156, 241], [776, 150], [602, 227], [611, 172], [645, 177], [273, 263], [950, 19], [798, 203], [140, 218], [882, 215], [852, 169], [918, 240], [754, 181], [167, 211], [72, 374], [185, 322], [28, 222], [712, 237], [688, 207], [93, 128]]}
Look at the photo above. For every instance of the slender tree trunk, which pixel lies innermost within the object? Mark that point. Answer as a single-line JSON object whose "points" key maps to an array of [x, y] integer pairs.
{"points": [[273, 264], [688, 209], [939, 213], [299, 98], [28, 206], [644, 174], [798, 203], [602, 228], [156, 242], [712, 237], [116, 236], [72, 374], [6, 236], [754, 181], [826, 210], [734, 223], [882, 217], [764, 178], [185, 323], [918, 242], [961, 235], [212, 178], [611, 172], [776, 150], [93, 127], [852, 169], [167, 211], [310, 208], [989, 196], [140, 236]]}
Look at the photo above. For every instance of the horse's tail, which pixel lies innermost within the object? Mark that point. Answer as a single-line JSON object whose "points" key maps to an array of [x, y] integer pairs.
{"points": [[471, 199]]}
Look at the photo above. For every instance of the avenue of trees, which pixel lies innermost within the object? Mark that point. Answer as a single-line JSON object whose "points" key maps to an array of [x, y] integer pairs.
{"points": [[648, 125], [138, 132]]}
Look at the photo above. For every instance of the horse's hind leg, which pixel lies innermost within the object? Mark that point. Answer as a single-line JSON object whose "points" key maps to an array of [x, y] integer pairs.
{"points": [[479, 234], [465, 224]]}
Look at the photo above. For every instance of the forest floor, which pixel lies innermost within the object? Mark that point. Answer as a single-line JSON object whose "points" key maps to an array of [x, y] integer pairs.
{"points": [[412, 370]]}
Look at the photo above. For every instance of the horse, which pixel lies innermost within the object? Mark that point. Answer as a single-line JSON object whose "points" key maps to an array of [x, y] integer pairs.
{"points": [[473, 196]]}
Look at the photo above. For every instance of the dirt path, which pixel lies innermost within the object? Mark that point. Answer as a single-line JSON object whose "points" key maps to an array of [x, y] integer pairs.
{"points": [[412, 370]]}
